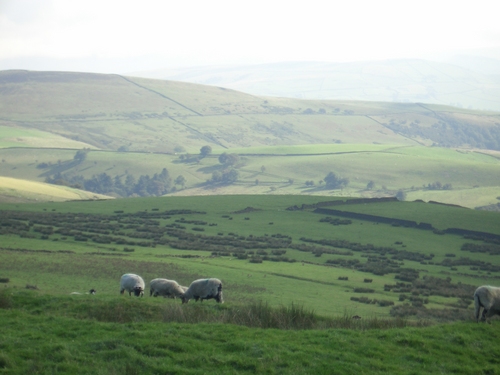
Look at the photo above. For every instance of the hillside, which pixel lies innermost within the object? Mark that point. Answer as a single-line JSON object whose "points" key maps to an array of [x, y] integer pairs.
{"points": [[137, 114], [136, 128], [16, 190]]}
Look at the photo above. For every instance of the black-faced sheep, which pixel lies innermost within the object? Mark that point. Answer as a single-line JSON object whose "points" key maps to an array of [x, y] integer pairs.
{"points": [[204, 289], [488, 298], [165, 288], [132, 283]]}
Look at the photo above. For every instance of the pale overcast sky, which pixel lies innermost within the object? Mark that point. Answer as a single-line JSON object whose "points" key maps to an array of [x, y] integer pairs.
{"points": [[118, 36]]}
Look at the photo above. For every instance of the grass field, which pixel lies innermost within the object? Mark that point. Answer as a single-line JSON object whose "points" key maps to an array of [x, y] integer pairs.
{"points": [[40, 257], [279, 316], [118, 340]]}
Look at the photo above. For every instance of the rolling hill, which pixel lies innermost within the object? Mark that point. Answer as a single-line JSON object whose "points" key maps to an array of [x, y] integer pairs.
{"points": [[20, 191], [137, 126]]}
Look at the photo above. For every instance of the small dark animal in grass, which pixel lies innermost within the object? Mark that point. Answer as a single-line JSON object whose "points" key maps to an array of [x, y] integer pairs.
{"points": [[91, 291], [356, 317], [204, 289], [486, 297], [132, 284]]}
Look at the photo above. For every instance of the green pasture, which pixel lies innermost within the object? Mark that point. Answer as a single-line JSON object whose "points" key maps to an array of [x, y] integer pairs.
{"points": [[307, 280]]}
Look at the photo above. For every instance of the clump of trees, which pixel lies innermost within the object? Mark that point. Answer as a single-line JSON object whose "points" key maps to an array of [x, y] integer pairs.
{"points": [[122, 186], [333, 181], [225, 177], [205, 151], [229, 175], [439, 186]]}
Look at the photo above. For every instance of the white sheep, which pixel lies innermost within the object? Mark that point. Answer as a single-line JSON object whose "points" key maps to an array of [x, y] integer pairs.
{"points": [[166, 288], [132, 283], [488, 298], [204, 289]]}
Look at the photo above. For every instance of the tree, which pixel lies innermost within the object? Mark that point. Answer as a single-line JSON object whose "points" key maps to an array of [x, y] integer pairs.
{"points": [[180, 180], [226, 177], [80, 155], [228, 159], [401, 195], [205, 151], [333, 181]]}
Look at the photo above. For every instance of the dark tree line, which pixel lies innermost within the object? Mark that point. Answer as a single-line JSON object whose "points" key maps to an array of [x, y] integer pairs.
{"points": [[123, 186]]}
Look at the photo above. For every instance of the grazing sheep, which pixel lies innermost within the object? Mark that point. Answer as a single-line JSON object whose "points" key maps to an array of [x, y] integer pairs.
{"points": [[204, 289], [488, 298], [132, 283], [165, 288]]}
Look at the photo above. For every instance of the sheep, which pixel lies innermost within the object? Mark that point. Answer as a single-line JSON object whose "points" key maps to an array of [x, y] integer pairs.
{"points": [[166, 288], [132, 283], [488, 298], [204, 289]]}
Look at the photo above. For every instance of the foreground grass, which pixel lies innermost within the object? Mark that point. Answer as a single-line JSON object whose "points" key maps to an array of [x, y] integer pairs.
{"points": [[38, 338]]}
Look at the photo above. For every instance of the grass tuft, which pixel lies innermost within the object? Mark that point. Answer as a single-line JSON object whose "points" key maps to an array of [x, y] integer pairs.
{"points": [[5, 299]]}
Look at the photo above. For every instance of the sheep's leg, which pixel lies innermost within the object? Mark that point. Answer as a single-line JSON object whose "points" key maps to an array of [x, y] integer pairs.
{"points": [[483, 315]]}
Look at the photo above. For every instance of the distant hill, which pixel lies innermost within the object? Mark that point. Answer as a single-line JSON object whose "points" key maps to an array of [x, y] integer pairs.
{"points": [[113, 112], [465, 82]]}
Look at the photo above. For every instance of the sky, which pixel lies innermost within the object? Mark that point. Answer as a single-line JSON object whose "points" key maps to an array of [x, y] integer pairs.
{"points": [[120, 36]]}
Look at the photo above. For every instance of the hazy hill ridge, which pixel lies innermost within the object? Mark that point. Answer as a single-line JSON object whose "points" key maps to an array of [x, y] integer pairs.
{"points": [[464, 82]]}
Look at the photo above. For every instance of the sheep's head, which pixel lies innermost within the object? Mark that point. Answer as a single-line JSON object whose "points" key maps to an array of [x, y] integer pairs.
{"points": [[184, 299], [138, 291]]}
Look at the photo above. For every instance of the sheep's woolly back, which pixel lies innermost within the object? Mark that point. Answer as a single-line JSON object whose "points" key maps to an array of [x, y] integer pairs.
{"points": [[488, 298], [204, 289], [165, 287], [130, 282]]}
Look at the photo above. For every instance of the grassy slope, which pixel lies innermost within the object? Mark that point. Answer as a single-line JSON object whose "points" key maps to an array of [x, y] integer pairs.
{"points": [[36, 339], [30, 191], [156, 115], [49, 331]]}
